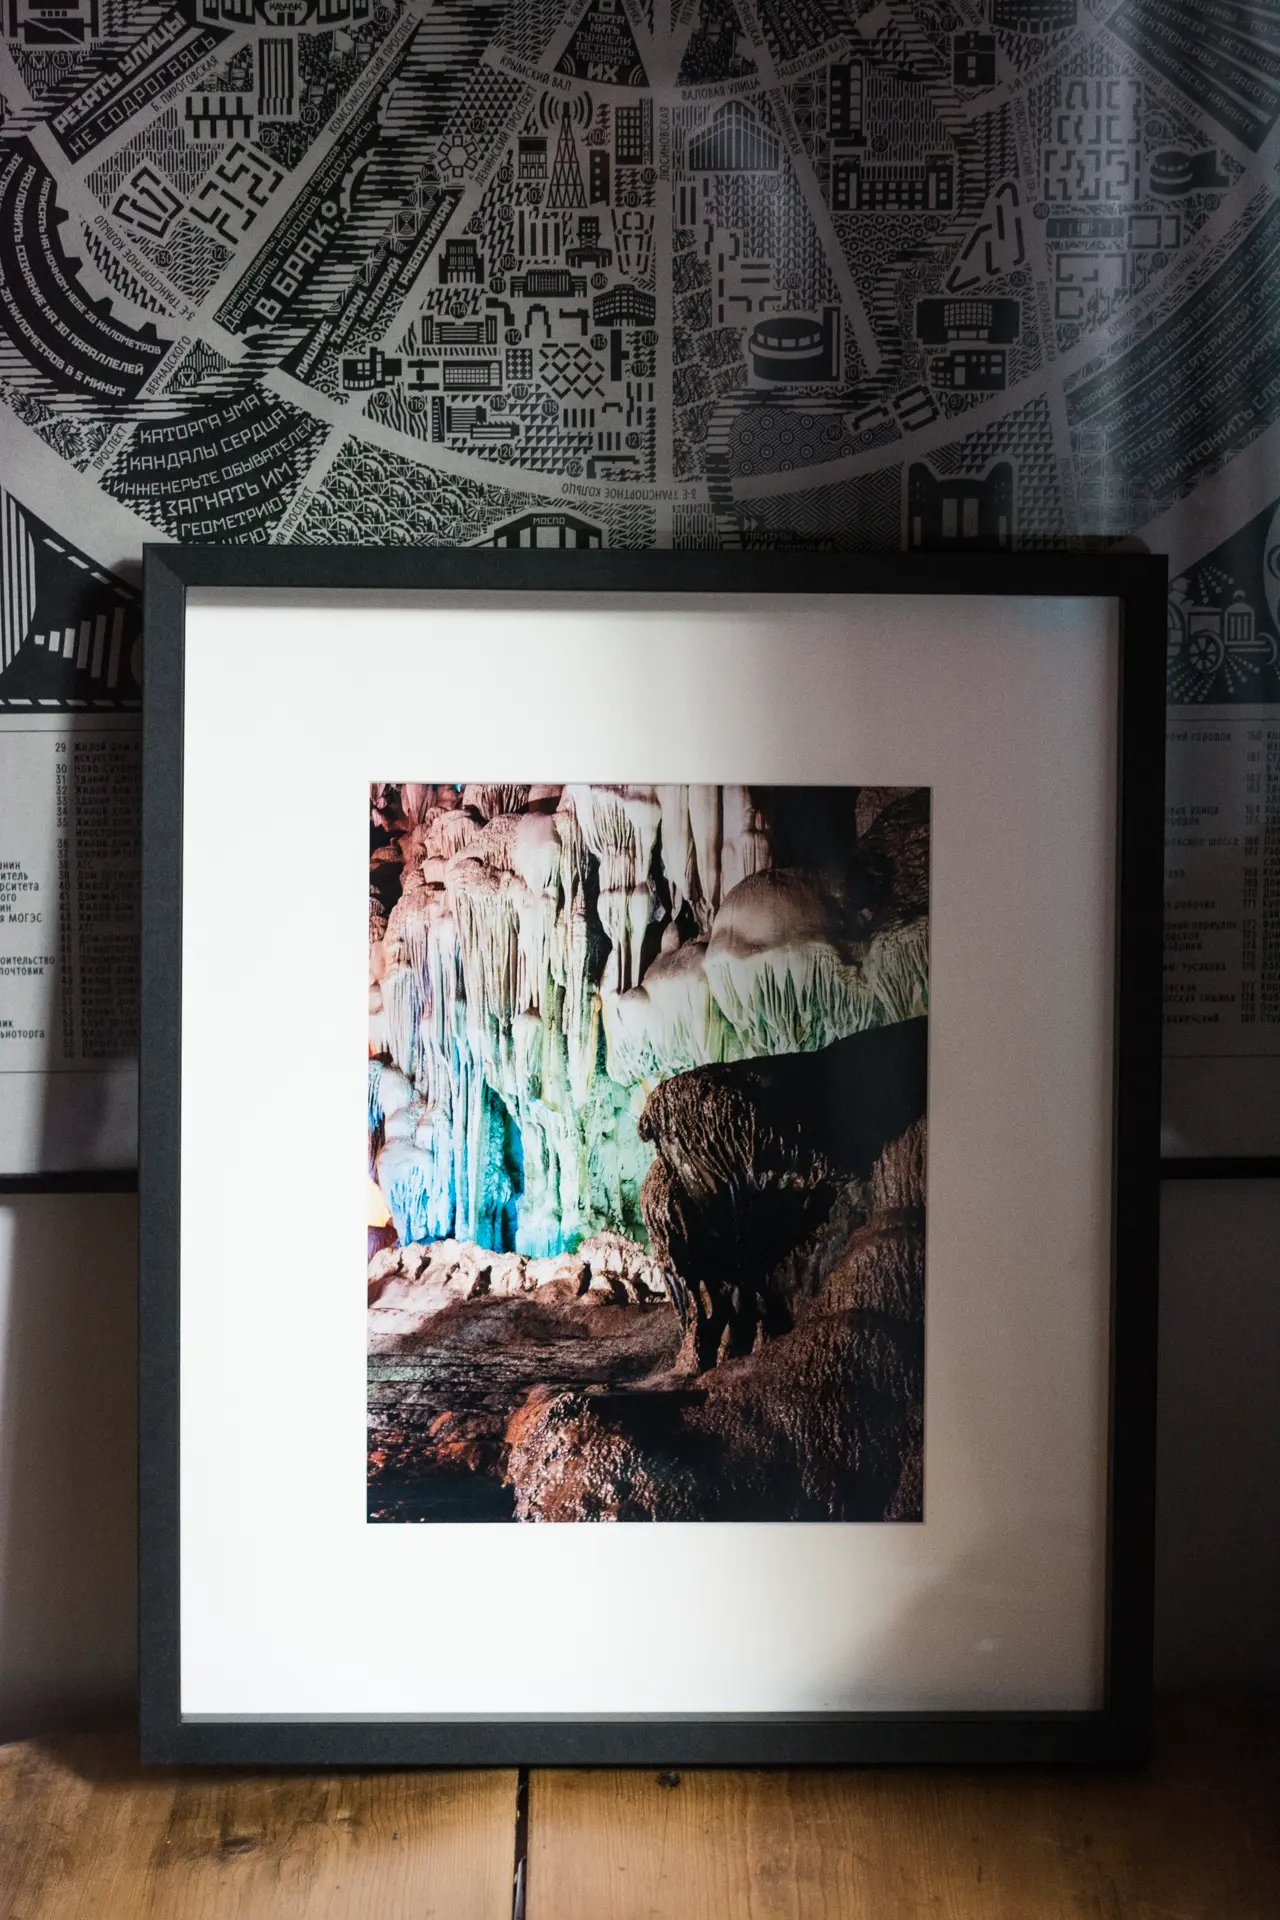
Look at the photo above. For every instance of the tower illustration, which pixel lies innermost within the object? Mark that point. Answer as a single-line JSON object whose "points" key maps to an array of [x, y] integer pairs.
{"points": [[566, 189]]}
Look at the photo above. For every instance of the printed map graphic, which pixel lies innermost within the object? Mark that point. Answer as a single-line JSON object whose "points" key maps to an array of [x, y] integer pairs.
{"points": [[693, 273]]}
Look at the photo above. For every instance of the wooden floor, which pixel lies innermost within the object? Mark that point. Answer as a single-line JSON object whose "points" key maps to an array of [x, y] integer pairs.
{"points": [[85, 1834]]}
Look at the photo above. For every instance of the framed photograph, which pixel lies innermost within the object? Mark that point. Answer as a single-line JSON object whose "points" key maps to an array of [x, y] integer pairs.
{"points": [[650, 1154]]}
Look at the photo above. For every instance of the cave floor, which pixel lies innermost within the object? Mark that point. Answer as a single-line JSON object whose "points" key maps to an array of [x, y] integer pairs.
{"points": [[439, 1405]]}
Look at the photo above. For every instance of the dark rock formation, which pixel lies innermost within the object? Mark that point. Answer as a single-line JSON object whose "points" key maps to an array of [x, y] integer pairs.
{"points": [[895, 854], [750, 1158], [881, 1270], [823, 1422]]}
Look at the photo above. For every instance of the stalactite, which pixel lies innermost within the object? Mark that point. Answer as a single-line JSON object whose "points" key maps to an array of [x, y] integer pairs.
{"points": [[416, 800], [624, 915], [487, 799], [581, 1018], [620, 826], [537, 953], [704, 829], [448, 832], [413, 1196], [745, 846], [488, 937], [678, 862], [536, 853], [379, 1027], [402, 1006]]}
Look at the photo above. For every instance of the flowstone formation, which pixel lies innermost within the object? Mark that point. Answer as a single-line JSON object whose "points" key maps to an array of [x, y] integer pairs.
{"points": [[542, 958]]}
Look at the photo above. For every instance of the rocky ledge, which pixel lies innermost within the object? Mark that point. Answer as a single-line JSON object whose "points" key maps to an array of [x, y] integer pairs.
{"points": [[409, 1285]]}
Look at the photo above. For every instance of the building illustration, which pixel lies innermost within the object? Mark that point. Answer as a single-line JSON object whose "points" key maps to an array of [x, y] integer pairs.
{"points": [[550, 529], [460, 261], [952, 513], [623, 306], [846, 83], [859, 185], [971, 370], [735, 141], [791, 346], [994, 322]]}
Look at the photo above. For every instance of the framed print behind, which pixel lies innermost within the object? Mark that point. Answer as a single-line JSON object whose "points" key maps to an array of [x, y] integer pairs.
{"points": [[650, 1122]]}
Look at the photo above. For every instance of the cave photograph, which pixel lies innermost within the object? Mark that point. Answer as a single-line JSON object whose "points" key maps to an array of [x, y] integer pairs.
{"points": [[647, 1110]]}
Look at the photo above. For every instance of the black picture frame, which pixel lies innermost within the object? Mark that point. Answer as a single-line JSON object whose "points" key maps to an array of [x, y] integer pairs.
{"points": [[1118, 1731]]}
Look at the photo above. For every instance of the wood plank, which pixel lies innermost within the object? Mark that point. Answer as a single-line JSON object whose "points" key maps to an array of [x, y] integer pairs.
{"points": [[86, 1834], [1194, 1837]]}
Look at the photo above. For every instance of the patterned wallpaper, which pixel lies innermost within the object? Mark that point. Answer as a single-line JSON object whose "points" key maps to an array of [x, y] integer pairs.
{"points": [[693, 273]]}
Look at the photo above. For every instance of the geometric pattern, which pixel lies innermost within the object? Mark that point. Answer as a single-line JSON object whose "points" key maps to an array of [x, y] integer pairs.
{"points": [[69, 630]]}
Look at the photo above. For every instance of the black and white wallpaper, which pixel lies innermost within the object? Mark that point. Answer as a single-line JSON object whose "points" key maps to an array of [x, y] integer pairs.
{"points": [[739, 273]]}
